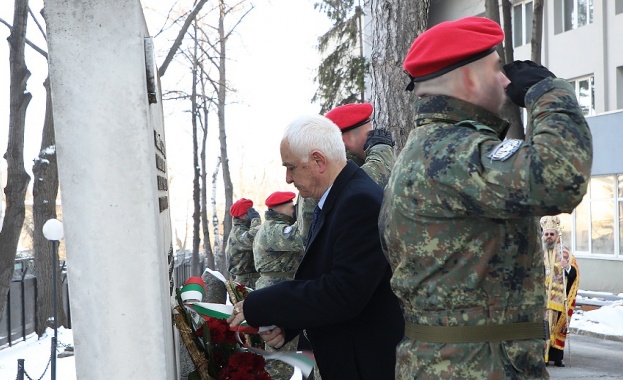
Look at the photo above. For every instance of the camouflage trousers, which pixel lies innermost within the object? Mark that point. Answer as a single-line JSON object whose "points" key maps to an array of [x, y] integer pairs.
{"points": [[277, 369], [510, 360]]}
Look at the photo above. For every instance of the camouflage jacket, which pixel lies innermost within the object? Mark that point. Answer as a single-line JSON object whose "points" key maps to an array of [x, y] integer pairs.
{"points": [[278, 247], [239, 249], [377, 164], [458, 222]]}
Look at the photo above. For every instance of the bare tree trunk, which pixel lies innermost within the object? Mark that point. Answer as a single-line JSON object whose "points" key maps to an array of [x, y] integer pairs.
{"points": [[207, 246], [45, 191], [17, 178], [510, 111], [222, 93], [219, 250], [195, 271], [537, 30], [394, 24], [360, 14]]}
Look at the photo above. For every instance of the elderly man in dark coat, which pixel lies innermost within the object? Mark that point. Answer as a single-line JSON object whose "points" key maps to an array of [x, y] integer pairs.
{"points": [[341, 295]]}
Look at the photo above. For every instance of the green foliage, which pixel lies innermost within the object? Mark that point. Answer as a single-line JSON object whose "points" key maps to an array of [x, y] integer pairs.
{"points": [[341, 74]]}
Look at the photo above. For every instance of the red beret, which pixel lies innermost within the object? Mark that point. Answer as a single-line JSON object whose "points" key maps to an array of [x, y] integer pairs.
{"points": [[451, 44], [350, 116], [240, 207], [279, 197]]}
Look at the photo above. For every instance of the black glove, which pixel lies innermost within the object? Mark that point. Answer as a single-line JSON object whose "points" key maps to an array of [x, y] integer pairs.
{"points": [[523, 75], [253, 214], [378, 136]]}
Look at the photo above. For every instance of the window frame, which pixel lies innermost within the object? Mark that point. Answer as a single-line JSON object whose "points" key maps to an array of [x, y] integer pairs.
{"points": [[575, 83], [526, 27], [569, 20], [617, 200]]}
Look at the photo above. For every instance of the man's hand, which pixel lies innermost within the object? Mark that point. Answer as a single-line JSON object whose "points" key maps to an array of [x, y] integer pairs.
{"points": [[253, 214], [237, 317], [274, 338], [523, 75], [378, 136]]}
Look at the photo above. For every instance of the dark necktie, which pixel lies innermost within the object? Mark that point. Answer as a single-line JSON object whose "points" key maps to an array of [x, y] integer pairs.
{"points": [[313, 223]]}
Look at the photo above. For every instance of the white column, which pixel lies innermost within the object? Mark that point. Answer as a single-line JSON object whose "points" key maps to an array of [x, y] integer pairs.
{"points": [[112, 170]]}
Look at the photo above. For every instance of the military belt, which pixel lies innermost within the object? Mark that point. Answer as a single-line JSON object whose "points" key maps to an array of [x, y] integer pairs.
{"points": [[279, 274], [474, 334]]}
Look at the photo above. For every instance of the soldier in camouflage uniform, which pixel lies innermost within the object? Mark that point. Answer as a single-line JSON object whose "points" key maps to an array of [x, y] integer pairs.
{"points": [[278, 246], [458, 222], [371, 149], [278, 251], [239, 248]]}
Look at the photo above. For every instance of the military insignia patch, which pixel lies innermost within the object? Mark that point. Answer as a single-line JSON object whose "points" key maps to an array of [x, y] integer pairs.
{"points": [[287, 230], [505, 149]]}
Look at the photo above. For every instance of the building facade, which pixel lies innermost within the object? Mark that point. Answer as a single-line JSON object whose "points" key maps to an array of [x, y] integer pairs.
{"points": [[583, 43]]}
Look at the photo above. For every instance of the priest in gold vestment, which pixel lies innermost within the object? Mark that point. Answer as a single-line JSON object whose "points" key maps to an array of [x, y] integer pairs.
{"points": [[562, 278]]}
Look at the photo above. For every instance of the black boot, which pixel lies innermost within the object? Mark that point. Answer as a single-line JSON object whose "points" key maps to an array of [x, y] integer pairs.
{"points": [[559, 363]]}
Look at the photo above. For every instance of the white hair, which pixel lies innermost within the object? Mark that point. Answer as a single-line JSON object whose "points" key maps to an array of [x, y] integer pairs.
{"points": [[311, 132]]}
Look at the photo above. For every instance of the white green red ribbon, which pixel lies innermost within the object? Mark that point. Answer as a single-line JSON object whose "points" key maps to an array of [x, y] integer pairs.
{"points": [[220, 311], [194, 290]]}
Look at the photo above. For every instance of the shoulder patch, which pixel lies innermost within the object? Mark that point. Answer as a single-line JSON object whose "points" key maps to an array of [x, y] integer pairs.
{"points": [[287, 229], [505, 149]]}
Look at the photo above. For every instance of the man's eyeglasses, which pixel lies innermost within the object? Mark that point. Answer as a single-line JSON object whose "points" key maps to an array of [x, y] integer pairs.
{"points": [[549, 234]]}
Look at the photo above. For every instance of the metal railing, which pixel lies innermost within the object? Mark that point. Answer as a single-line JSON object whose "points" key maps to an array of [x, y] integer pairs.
{"points": [[20, 310], [19, 316]]}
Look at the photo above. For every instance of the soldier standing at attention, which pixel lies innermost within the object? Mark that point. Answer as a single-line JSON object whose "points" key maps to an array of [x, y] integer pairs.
{"points": [[278, 251], [458, 222], [239, 248], [278, 245], [371, 149]]}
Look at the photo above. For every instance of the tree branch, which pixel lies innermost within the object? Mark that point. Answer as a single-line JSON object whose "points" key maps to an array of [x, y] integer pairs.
{"points": [[180, 37], [28, 42], [38, 24]]}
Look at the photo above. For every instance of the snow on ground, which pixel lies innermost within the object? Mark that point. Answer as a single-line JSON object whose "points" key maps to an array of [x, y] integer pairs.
{"points": [[36, 354], [608, 320]]}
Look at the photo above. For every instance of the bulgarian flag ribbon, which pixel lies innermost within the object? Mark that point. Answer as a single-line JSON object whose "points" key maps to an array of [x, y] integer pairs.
{"points": [[220, 311], [193, 292]]}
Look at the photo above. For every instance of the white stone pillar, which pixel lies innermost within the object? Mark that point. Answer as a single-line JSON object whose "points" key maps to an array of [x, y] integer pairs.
{"points": [[112, 171]]}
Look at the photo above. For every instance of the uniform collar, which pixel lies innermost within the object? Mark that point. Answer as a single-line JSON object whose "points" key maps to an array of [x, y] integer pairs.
{"points": [[436, 108], [274, 215]]}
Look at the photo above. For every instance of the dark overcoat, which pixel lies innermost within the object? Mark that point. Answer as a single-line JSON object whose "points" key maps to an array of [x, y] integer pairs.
{"points": [[341, 294]]}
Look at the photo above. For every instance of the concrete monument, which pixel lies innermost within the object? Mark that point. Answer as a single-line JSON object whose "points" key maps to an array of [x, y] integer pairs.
{"points": [[113, 178]]}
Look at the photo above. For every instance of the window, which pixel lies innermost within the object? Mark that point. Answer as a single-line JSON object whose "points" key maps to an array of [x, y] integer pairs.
{"points": [[585, 93], [618, 6], [572, 14], [597, 222], [602, 215], [619, 76], [620, 219], [522, 23]]}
